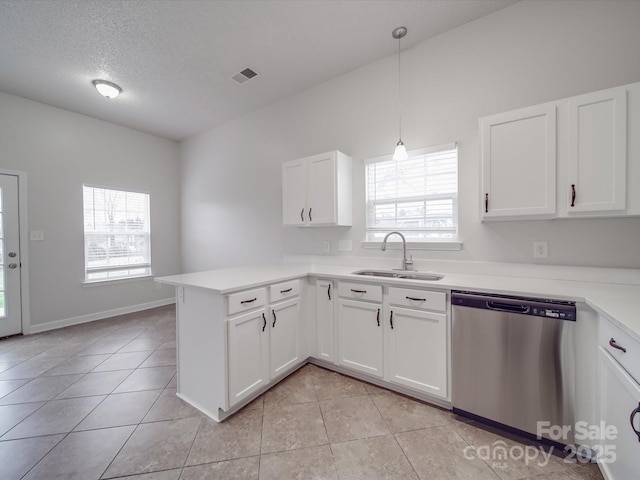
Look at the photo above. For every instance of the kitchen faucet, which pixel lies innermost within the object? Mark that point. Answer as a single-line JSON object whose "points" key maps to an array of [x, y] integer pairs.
{"points": [[405, 263]]}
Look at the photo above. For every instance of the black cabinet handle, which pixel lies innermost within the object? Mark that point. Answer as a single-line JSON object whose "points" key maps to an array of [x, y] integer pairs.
{"points": [[391, 319], [310, 219], [612, 343], [274, 319], [358, 291], [248, 301], [264, 322], [329, 292], [416, 299], [486, 203], [286, 291], [302, 215], [631, 418], [378, 317], [573, 195]]}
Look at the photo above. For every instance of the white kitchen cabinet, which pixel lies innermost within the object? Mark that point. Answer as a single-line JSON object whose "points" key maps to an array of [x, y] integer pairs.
{"points": [[248, 354], [417, 353], [619, 427], [317, 190], [619, 455], [360, 337], [519, 164], [597, 152], [325, 339], [284, 336]]}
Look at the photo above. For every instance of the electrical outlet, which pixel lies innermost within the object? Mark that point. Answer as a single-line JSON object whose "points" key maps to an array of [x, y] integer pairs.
{"points": [[540, 249], [326, 246], [345, 245]]}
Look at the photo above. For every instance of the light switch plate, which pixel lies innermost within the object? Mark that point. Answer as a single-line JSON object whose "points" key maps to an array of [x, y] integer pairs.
{"points": [[326, 246], [36, 235]]}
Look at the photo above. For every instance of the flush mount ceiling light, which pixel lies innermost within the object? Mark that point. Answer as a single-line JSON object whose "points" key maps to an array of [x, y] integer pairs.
{"points": [[400, 153], [107, 89]]}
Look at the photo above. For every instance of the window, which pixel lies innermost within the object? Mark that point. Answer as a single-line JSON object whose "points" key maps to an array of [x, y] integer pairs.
{"points": [[116, 234], [417, 196]]}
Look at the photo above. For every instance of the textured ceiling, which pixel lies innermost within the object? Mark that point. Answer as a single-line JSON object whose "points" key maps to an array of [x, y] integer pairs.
{"points": [[174, 58]]}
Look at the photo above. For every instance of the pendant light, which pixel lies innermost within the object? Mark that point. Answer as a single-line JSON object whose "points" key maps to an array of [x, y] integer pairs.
{"points": [[400, 153]]}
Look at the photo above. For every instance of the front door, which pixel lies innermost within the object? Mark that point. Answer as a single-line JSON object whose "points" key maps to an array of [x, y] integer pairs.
{"points": [[10, 301]]}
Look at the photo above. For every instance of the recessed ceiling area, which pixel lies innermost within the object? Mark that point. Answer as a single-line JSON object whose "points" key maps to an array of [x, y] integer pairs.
{"points": [[175, 59]]}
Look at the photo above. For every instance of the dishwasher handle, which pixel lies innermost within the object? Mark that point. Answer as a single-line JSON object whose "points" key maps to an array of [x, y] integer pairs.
{"points": [[507, 307]]}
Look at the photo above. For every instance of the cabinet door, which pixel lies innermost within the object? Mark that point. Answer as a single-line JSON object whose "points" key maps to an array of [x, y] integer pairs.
{"points": [[248, 337], [619, 455], [597, 162], [285, 336], [324, 320], [321, 189], [418, 350], [294, 184], [360, 336], [519, 164]]}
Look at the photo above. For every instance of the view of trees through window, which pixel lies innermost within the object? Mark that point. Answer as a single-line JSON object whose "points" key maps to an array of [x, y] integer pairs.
{"points": [[116, 233]]}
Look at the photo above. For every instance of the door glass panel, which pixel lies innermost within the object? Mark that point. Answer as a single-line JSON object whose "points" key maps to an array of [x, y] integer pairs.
{"points": [[2, 285]]}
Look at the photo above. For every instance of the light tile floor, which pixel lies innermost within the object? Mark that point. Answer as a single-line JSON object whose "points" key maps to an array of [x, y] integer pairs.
{"points": [[97, 401]]}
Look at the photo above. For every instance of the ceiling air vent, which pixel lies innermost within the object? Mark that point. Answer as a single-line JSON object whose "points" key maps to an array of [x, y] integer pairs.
{"points": [[244, 75]]}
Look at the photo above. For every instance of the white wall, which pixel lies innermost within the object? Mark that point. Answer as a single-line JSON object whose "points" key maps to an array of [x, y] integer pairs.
{"points": [[60, 151], [529, 53]]}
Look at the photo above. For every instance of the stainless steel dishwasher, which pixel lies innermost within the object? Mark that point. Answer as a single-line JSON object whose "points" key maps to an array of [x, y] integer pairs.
{"points": [[513, 361]]}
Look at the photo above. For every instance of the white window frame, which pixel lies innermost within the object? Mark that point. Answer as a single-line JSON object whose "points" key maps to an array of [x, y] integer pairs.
{"points": [[453, 243], [128, 270]]}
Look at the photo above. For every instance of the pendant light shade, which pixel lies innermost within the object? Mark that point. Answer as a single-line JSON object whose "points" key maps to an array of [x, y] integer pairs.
{"points": [[400, 153], [107, 89]]}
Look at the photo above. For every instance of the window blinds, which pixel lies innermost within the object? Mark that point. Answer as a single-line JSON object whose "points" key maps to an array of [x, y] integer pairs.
{"points": [[116, 234], [417, 196]]}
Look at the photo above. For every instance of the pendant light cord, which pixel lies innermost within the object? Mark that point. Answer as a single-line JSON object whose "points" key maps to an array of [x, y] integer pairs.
{"points": [[399, 96]]}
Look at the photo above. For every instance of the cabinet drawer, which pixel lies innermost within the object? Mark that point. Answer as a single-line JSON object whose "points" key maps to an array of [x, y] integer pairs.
{"points": [[423, 299], [360, 291], [240, 302], [282, 291], [629, 360]]}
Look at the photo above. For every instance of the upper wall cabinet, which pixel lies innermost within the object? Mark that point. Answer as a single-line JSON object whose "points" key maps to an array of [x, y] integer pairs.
{"points": [[316, 191], [519, 163], [597, 152], [585, 141]]}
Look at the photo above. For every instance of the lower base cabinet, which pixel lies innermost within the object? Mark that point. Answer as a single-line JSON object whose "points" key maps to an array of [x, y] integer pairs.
{"points": [[248, 355], [284, 337], [418, 350], [619, 449], [360, 336]]}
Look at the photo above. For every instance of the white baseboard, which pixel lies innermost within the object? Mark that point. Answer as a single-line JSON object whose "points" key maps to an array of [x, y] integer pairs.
{"points": [[67, 322]]}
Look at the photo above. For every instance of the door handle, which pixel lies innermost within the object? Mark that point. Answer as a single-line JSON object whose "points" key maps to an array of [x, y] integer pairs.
{"points": [[329, 292], [378, 317], [391, 319], [302, 215], [573, 195], [631, 418], [274, 319], [264, 322], [310, 219]]}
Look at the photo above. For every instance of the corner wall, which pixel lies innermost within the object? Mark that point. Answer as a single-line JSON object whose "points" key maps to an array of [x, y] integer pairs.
{"points": [[60, 150]]}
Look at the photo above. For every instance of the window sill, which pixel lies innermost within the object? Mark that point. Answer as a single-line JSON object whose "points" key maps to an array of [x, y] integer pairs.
{"points": [[452, 245], [111, 281]]}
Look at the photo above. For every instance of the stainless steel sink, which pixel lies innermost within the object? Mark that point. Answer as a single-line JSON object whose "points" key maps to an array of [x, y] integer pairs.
{"points": [[404, 274]]}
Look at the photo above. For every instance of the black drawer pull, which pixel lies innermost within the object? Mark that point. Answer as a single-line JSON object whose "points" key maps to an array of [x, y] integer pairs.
{"points": [[612, 343], [248, 301], [358, 291], [573, 195], [286, 291], [416, 299]]}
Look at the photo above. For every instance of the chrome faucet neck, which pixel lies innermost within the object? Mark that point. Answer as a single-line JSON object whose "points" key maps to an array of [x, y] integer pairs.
{"points": [[405, 263]]}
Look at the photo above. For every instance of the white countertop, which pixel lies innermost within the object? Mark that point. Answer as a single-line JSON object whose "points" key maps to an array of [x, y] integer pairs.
{"points": [[619, 302]]}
